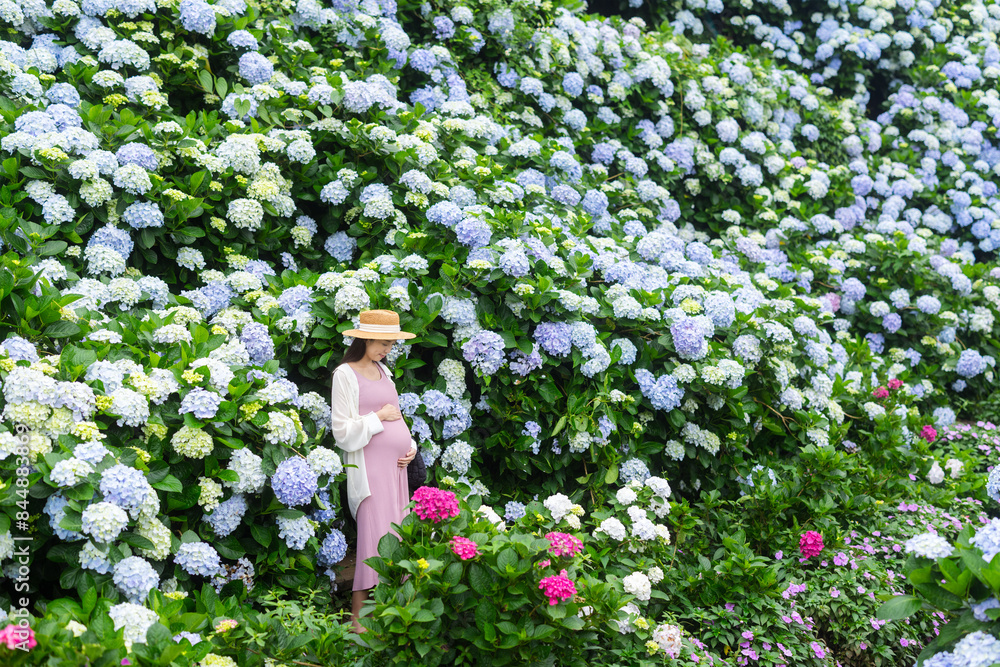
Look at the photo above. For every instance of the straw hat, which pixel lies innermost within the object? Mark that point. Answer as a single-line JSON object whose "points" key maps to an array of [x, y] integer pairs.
{"points": [[379, 324]]}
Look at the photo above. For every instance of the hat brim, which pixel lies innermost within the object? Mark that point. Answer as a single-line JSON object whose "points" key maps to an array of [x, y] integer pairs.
{"points": [[395, 335]]}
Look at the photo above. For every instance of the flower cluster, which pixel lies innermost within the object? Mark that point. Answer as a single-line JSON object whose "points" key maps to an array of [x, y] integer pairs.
{"points": [[557, 588], [435, 504]]}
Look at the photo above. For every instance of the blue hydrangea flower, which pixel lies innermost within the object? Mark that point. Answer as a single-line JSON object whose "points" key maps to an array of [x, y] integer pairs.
{"points": [[333, 549], [633, 469], [124, 486], [198, 559], [201, 403], [197, 16], [255, 68], [143, 214], [242, 39], [138, 154], [294, 482], [514, 510], [970, 364], [226, 517], [135, 578], [340, 246]]}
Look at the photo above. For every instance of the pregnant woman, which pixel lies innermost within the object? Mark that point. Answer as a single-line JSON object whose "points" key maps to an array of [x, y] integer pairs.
{"points": [[368, 426]]}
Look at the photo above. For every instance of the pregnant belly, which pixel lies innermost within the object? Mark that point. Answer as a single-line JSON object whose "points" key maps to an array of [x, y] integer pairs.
{"points": [[394, 440]]}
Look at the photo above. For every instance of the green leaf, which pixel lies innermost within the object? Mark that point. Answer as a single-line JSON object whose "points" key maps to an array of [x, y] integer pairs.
{"points": [[453, 574], [611, 476], [261, 534], [486, 614], [898, 608], [205, 78], [480, 580], [388, 546], [62, 329], [170, 484], [89, 600], [136, 540], [507, 558], [6, 282], [939, 597], [52, 248]]}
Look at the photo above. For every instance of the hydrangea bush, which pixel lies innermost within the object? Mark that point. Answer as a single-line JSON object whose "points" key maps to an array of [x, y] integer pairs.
{"points": [[625, 253]]}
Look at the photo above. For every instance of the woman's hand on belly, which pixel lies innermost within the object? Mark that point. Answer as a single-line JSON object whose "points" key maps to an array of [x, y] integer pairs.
{"points": [[405, 461]]}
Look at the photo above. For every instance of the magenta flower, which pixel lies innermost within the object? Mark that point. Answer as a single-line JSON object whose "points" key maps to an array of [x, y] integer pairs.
{"points": [[881, 392], [895, 384], [928, 433], [435, 504], [811, 543], [557, 588], [464, 548], [564, 544], [15, 636]]}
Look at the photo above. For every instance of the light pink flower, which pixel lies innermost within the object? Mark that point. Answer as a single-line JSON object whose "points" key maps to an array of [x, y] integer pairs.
{"points": [[17, 635]]}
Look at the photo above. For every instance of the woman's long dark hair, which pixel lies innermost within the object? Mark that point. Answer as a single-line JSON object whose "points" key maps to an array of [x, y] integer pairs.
{"points": [[356, 351]]}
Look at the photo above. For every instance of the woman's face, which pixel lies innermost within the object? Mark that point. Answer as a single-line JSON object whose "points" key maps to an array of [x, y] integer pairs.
{"points": [[378, 349]]}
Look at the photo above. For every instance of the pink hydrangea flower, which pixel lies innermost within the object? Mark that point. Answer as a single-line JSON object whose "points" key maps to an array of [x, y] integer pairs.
{"points": [[895, 384], [564, 544], [557, 588], [464, 548], [928, 433], [881, 392], [15, 636], [811, 543], [435, 504]]}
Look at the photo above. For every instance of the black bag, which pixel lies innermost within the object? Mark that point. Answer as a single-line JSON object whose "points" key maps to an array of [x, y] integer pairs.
{"points": [[416, 473]]}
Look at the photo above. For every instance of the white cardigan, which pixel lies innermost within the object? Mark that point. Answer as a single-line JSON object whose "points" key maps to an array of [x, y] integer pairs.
{"points": [[352, 431]]}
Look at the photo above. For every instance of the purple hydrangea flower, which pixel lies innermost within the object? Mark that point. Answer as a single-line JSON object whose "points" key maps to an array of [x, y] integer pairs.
{"points": [[662, 392], [555, 338], [257, 339], [689, 338], [485, 352]]}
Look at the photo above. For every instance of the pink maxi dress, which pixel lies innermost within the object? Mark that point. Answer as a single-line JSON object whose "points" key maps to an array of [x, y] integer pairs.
{"points": [[386, 480]]}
